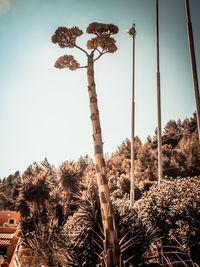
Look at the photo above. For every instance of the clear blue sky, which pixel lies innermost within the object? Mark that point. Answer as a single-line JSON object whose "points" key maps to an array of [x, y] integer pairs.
{"points": [[44, 112]]}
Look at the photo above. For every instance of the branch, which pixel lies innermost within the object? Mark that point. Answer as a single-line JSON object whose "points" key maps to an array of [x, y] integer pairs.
{"points": [[82, 67], [98, 50], [101, 54], [81, 49]]}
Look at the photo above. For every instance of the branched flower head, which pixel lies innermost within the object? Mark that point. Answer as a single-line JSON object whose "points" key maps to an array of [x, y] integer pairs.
{"points": [[67, 61], [102, 39], [102, 28], [66, 37]]}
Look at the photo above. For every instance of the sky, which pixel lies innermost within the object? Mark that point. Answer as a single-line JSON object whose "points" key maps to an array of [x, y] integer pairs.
{"points": [[44, 111]]}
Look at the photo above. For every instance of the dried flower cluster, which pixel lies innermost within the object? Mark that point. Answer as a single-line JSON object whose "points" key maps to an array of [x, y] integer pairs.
{"points": [[66, 37], [67, 61], [102, 39], [102, 28]]}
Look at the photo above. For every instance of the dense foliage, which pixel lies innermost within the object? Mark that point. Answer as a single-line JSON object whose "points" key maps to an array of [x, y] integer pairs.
{"points": [[60, 209], [173, 207], [181, 154]]}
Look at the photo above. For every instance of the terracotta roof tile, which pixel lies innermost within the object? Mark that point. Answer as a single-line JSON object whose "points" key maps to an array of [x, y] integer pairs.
{"points": [[5, 238]]}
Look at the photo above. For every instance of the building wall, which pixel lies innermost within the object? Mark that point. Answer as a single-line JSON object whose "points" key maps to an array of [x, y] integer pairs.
{"points": [[6, 215], [9, 220], [11, 248]]}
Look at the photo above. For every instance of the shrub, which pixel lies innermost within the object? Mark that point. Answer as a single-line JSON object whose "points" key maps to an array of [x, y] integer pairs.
{"points": [[174, 208]]}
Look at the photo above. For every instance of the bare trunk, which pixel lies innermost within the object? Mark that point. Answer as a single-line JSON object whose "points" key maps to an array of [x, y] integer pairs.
{"points": [[110, 232]]}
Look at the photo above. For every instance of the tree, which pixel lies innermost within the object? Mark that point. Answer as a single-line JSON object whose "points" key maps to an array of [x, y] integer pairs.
{"points": [[101, 44], [119, 163], [173, 208], [8, 191], [35, 187], [172, 133], [70, 174], [43, 211]]}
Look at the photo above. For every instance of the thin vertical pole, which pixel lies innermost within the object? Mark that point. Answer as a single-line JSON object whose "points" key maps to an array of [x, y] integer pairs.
{"points": [[159, 137], [193, 64], [132, 32], [132, 193]]}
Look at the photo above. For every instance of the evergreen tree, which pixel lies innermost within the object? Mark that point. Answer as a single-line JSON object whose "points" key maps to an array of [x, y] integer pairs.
{"points": [[172, 133]]}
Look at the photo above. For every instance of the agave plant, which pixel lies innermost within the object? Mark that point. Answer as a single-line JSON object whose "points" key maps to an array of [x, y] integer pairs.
{"points": [[87, 236], [175, 255], [85, 229], [99, 45]]}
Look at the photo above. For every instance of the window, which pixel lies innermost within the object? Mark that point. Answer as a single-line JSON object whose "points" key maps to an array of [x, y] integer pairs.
{"points": [[11, 221]]}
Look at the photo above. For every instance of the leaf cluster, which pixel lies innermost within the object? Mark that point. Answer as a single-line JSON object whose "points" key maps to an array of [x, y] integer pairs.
{"points": [[35, 187]]}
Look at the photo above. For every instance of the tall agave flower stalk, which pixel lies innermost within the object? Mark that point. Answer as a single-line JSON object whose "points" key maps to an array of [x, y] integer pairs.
{"points": [[101, 44]]}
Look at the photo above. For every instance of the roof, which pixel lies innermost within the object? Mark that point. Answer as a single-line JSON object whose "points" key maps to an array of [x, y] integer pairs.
{"points": [[5, 238]]}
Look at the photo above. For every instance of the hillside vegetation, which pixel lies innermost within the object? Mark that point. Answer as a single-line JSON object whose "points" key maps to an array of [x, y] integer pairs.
{"points": [[60, 209]]}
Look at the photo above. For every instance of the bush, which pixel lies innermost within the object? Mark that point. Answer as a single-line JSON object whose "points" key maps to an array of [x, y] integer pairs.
{"points": [[174, 208]]}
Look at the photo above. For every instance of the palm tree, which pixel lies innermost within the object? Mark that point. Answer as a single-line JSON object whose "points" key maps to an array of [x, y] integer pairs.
{"points": [[70, 174], [42, 205], [35, 188], [101, 44]]}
